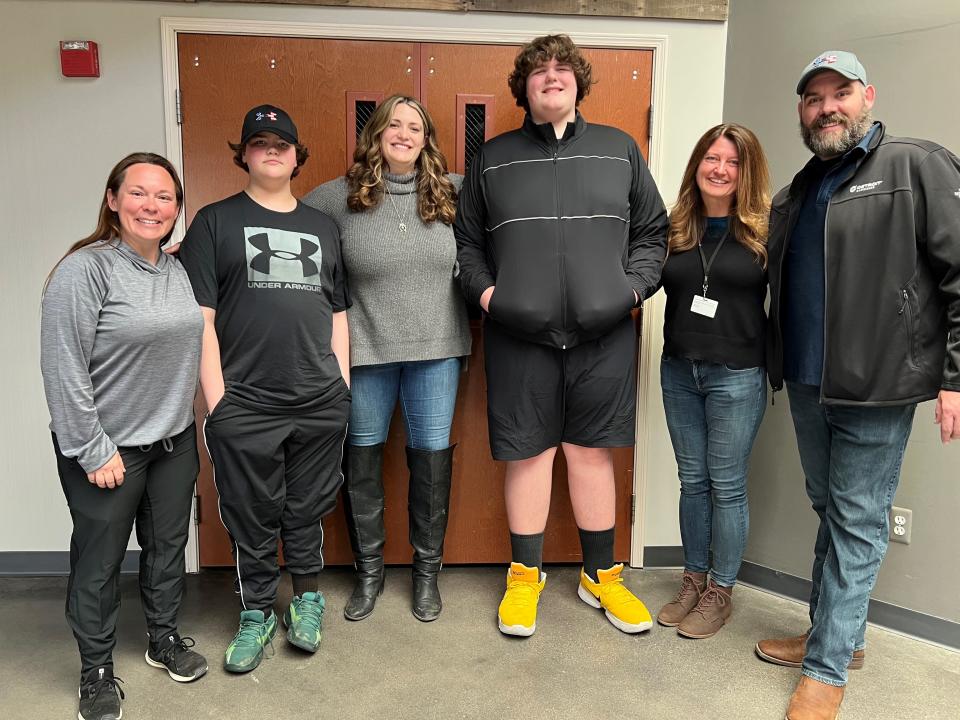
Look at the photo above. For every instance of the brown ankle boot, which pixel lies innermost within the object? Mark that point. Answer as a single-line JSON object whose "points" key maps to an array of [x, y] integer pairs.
{"points": [[814, 700], [790, 651], [691, 588], [711, 613]]}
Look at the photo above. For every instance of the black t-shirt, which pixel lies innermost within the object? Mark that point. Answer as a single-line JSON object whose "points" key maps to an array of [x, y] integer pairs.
{"points": [[274, 279], [735, 336]]}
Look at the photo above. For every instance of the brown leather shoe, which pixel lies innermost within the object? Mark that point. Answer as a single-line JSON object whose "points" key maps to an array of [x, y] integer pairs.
{"points": [[790, 651], [691, 588], [711, 613], [814, 700]]}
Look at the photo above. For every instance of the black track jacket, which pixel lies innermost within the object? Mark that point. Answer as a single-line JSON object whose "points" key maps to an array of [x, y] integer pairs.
{"points": [[892, 263], [566, 229]]}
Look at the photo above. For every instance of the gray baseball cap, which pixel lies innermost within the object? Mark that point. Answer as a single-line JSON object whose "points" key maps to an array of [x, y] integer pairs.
{"points": [[840, 61]]}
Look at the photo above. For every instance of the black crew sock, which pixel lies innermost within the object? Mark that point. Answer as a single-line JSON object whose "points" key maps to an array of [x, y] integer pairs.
{"points": [[310, 582], [528, 550], [597, 547]]}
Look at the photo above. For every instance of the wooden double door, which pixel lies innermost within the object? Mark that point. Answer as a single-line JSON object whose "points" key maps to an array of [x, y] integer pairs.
{"points": [[327, 86]]}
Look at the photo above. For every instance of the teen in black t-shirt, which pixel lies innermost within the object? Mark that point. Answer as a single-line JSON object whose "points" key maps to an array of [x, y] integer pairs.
{"points": [[267, 273]]}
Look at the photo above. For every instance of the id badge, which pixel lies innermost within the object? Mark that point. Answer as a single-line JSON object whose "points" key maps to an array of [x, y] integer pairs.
{"points": [[704, 306]]}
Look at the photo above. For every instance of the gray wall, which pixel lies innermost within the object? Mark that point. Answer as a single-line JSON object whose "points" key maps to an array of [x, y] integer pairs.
{"points": [[912, 55]]}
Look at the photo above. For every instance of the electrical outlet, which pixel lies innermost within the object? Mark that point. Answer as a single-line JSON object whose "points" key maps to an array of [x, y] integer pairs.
{"points": [[901, 525]]}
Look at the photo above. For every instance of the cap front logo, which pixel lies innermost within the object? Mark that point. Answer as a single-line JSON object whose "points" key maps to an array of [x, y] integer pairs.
{"points": [[268, 116], [828, 59]]}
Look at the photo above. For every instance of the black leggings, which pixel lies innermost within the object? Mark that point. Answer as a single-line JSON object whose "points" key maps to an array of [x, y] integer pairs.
{"points": [[156, 492]]}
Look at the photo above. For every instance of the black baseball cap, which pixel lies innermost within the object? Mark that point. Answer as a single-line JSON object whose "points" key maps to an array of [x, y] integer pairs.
{"points": [[271, 119]]}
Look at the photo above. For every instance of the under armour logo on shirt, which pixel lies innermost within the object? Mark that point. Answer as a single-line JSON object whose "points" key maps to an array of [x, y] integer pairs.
{"points": [[261, 262], [282, 256]]}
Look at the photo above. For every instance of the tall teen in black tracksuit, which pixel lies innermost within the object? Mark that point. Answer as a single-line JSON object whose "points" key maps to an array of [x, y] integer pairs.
{"points": [[267, 272], [560, 233]]}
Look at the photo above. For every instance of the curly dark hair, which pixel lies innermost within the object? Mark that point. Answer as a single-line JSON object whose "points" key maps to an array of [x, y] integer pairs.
{"points": [[541, 50], [238, 148]]}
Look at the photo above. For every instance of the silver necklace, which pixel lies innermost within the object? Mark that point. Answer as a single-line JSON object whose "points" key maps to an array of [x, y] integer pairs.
{"points": [[403, 225]]}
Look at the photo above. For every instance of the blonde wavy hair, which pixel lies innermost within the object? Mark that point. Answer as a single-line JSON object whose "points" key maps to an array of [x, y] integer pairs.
{"points": [[750, 209], [436, 197]]}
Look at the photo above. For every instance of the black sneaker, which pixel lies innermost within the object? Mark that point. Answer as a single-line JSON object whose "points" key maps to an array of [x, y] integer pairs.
{"points": [[173, 653], [100, 696]]}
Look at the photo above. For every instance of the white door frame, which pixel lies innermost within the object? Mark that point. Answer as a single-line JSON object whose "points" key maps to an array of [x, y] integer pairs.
{"points": [[171, 26]]}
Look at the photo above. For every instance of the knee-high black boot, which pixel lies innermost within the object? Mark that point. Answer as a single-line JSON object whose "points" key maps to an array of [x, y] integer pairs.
{"points": [[363, 504], [429, 502]]}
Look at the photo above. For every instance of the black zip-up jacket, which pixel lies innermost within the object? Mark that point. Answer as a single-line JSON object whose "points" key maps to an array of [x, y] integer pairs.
{"points": [[892, 275], [566, 229]]}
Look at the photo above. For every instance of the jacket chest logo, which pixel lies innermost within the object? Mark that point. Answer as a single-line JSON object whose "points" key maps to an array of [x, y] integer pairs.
{"points": [[866, 186]]}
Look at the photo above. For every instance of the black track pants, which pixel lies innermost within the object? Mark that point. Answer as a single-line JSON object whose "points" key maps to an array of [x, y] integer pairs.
{"points": [[277, 476], [156, 492]]}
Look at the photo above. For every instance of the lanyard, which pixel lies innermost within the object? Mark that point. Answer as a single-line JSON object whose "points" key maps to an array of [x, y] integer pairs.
{"points": [[708, 263]]}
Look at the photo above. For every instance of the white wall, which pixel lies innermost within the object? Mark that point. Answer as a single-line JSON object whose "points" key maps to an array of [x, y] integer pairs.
{"points": [[912, 53], [59, 138]]}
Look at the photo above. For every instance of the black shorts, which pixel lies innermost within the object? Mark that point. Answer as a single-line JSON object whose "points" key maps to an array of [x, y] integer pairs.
{"points": [[539, 396]]}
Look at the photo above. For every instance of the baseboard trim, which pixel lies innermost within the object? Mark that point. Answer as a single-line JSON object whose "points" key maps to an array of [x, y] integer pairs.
{"points": [[900, 619], [663, 556], [893, 617], [45, 564]]}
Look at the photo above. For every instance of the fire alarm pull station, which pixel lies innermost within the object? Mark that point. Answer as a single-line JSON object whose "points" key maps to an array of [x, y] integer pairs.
{"points": [[79, 58]]}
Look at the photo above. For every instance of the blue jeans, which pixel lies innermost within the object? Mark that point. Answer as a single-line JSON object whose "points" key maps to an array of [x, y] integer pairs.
{"points": [[851, 458], [713, 414], [426, 390]]}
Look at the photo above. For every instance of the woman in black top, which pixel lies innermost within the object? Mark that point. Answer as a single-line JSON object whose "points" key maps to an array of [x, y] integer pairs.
{"points": [[712, 372]]}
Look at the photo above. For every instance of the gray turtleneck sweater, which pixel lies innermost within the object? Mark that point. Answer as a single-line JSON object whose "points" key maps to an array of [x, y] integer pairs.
{"points": [[406, 304], [119, 351]]}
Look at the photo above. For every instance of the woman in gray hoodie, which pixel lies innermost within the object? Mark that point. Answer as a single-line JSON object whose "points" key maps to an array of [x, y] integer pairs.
{"points": [[120, 350]]}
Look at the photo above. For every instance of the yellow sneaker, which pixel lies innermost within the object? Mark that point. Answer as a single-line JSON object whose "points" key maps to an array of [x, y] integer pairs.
{"points": [[623, 608], [517, 614]]}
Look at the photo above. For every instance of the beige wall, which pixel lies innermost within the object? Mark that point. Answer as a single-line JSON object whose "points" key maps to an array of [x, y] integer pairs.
{"points": [[912, 53], [59, 138]]}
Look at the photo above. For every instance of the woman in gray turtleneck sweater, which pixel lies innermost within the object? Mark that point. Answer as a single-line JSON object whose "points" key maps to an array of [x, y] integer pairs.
{"points": [[408, 331]]}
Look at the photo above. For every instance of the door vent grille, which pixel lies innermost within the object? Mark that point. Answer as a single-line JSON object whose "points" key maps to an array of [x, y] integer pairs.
{"points": [[364, 110], [474, 131]]}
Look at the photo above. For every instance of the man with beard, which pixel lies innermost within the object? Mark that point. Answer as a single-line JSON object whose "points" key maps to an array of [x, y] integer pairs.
{"points": [[864, 251]]}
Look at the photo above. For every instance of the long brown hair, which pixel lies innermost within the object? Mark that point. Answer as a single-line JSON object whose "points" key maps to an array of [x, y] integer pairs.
{"points": [[750, 209], [108, 221], [436, 198]]}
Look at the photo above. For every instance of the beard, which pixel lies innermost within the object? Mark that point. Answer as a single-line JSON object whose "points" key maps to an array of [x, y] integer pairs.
{"points": [[834, 144]]}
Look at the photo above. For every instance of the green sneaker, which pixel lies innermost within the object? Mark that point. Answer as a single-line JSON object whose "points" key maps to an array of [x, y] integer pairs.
{"points": [[245, 652], [304, 621]]}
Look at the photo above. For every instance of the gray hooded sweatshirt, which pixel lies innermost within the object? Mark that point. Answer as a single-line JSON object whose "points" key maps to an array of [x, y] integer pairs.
{"points": [[119, 351]]}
